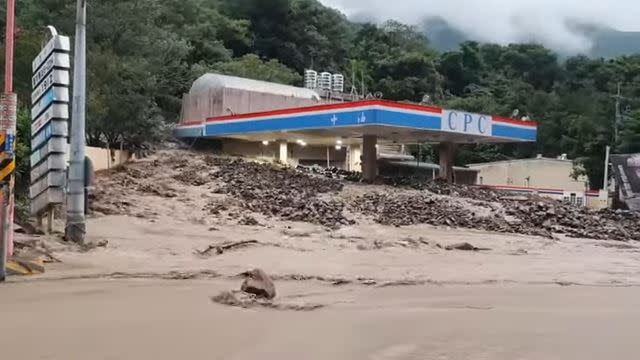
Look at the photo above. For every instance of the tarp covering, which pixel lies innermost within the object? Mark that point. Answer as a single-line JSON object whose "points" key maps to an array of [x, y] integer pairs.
{"points": [[627, 172]]}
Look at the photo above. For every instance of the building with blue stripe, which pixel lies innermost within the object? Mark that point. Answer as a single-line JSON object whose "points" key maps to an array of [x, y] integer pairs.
{"points": [[352, 132]]}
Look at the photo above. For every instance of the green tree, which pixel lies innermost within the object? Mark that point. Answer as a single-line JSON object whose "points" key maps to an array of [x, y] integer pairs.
{"points": [[252, 67], [27, 47], [144, 55], [23, 152], [137, 67], [299, 33], [409, 76], [396, 56], [211, 36], [630, 135]]}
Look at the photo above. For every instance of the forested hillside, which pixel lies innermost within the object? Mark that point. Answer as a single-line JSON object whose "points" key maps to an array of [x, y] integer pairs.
{"points": [[144, 54]]}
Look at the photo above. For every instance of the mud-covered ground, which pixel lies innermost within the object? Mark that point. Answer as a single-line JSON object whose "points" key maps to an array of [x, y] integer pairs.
{"points": [[237, 189], [182, 214], [361, 271]]}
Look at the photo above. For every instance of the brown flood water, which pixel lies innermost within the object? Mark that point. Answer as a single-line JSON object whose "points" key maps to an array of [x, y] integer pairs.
{"points": [[159, 319]]}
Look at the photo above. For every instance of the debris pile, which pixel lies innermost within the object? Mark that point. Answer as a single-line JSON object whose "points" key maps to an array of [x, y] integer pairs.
{"points": [[263, 188], [332, 173], [423, 208], [110, 195], [216, 207], [280, 192], [258, 290], [313, 195], [577, 222], [259, 284], [531, 217], [247, 301], [192, 176], [441, 187], [437, 186], [464, 247], [158, 189], [221, 249], [33, 248]]}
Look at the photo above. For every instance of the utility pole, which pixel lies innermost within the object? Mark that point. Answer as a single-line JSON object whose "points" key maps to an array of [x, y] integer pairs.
{"points": [[8, 114], [76, 228], [605, 185], [619, 115]]}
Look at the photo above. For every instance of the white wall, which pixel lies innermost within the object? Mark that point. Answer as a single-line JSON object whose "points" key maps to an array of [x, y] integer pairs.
{"points": [[534, 173], [104, 159]]}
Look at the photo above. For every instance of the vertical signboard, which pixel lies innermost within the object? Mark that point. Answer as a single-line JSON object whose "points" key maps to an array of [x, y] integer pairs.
{"points": [[49, 124], [626, 169]]}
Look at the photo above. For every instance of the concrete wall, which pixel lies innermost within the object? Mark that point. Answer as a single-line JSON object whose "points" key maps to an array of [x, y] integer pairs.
{"points": [[534, 173], [546, 177], [598, 199], [354, 155], [104, 159], [250, 149]]}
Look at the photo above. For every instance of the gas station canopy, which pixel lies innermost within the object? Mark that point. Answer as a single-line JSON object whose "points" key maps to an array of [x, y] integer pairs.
{"points": [[388, 121]]}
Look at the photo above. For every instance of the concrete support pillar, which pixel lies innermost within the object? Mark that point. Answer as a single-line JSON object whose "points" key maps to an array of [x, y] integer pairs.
{"points": [[446, 161], [328, 157], [283, 156], [369, 158], [354, 155]]}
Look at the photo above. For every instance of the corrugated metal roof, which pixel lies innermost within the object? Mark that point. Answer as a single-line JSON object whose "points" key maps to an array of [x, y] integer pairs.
{"points": [[210, 81]]}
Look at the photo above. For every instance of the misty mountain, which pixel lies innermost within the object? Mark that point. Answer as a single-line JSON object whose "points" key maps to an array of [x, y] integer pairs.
{"points": [[607, 42], [442, 35]]}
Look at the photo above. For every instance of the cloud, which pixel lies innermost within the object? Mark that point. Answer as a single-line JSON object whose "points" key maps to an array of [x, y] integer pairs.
{"points": [[507, 21]]}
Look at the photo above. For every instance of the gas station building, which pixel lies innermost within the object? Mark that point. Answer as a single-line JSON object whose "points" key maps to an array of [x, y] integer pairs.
{"points": [[349, 135]]}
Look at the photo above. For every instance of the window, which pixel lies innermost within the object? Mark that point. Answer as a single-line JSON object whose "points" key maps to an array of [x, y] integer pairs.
{"points": [[580, 201], [573, 199], [481, 181]]}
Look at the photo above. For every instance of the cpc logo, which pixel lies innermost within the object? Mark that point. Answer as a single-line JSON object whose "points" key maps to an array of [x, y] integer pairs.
{"points": [[466, 123]]}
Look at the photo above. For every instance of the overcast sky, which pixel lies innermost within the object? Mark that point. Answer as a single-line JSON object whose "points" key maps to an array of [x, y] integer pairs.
{"points": [[505, 21]]}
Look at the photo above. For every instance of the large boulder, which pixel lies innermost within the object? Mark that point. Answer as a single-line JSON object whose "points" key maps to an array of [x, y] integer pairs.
{"points": [[259, 284]]}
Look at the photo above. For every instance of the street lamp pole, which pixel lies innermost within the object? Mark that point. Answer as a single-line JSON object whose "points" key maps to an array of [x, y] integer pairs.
{"points": [[76, 228], [8, 114], [9, 41]]}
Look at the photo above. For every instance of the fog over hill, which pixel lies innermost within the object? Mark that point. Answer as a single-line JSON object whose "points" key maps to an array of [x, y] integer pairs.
{"points": [[595, 28]]}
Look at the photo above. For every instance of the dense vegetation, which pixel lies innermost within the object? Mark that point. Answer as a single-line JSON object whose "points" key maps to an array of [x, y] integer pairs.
{"points": [[144, 54]]}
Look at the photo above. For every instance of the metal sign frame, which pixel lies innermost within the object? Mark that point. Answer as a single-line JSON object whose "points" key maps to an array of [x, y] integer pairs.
{"points": [[49, 124]]}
